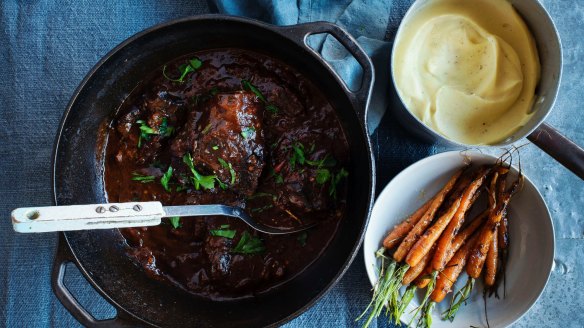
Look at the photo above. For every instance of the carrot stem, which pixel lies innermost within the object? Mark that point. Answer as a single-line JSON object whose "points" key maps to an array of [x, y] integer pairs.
{"points": [[458, 299]]}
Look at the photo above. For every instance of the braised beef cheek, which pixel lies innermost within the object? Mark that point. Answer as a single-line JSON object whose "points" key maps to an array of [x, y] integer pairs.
{"points": [[228, 127]]}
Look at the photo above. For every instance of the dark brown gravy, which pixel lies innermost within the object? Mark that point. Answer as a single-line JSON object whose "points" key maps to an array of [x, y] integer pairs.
{"points": [[288, 188]]}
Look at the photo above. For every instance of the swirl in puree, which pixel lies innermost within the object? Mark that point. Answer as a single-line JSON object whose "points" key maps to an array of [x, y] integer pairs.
{"points": [[467, 69]]}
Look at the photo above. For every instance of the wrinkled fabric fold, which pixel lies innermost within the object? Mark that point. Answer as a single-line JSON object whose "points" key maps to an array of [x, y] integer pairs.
{"points": [[372, 23]]}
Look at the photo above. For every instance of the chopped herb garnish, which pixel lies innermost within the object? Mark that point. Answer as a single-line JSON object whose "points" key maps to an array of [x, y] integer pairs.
{"points": [[221, 184], [184, 69], [215, 147], [247, 131], [302, 238], [226, 165], [145, 132], [278, 178], [327, 161], [263, 208], [249, 244], [269, 107], [335, 179], [272, 109], [198, 180], [174, 221], [206, 129], [224, 226], [142, 178], [164, 129], [223, 233], [248, 86], [166, 178], [262, 194], [322, 176], [297, 156], [144, 128]]}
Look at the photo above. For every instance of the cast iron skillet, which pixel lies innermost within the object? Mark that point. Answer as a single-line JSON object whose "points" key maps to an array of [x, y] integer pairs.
{"points": [[78, 175]]}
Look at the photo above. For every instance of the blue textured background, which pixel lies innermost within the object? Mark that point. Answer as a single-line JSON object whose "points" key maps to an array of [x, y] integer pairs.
{"points": [[47, 47]]}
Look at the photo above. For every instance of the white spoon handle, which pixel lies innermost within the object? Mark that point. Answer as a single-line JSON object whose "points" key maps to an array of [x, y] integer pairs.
{"points": [[85, 217]]}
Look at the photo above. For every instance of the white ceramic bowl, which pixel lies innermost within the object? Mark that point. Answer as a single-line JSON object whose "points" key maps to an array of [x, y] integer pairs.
{"points": [[531, 253]]}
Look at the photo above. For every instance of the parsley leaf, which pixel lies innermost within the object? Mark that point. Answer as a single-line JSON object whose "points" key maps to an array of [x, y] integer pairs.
{"points": [[278, 178], [262, 194], [206, 181], [226, 233], [322, 176], [145, 132], [327, 161], [336, 178], [215, 147], [221, 184], [164, 129], [195, 63], [166, 178], [184, 69], [247, 131], [272, 108], [249, 244], [206, 129], [246, 85], [297, 155], [174, 221], [226, 165], [142, 178]]}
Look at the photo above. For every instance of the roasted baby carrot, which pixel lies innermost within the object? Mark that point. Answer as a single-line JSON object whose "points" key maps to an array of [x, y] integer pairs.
{"points": [[447, 232], [401, 230], [415, 271], [459, 240], [425, 221], [426, 241], [449, 275], [478, 254], [492, 262]]}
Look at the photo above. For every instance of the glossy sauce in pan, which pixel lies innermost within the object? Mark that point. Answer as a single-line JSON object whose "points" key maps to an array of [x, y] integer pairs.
{"points": [[265, 138]]}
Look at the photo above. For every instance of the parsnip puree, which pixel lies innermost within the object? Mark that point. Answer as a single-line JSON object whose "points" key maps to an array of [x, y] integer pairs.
{"points": [[468, 69]]}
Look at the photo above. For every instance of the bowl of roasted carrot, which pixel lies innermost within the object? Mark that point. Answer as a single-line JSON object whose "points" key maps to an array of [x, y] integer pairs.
{"points": [[458, 239]]}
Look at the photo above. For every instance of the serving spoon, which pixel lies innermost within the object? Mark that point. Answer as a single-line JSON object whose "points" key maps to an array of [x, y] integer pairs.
{"points": [[125, 215]]}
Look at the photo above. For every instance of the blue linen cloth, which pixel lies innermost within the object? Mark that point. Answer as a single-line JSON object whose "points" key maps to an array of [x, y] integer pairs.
{"points": [[372, 23], [48, 47]]}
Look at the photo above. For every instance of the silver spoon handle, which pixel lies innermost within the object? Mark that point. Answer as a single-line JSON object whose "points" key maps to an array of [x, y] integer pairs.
{"points": [[202, 210], [224, 210], [85, 217]]}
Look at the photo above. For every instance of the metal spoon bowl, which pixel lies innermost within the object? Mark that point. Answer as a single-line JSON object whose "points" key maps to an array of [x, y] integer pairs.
{"points": [[126, 215]]}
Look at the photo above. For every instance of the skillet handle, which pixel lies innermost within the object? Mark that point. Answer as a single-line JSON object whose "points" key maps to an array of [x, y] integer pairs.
{"points": [[562, 149], [63, 257], [299, 33]]}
